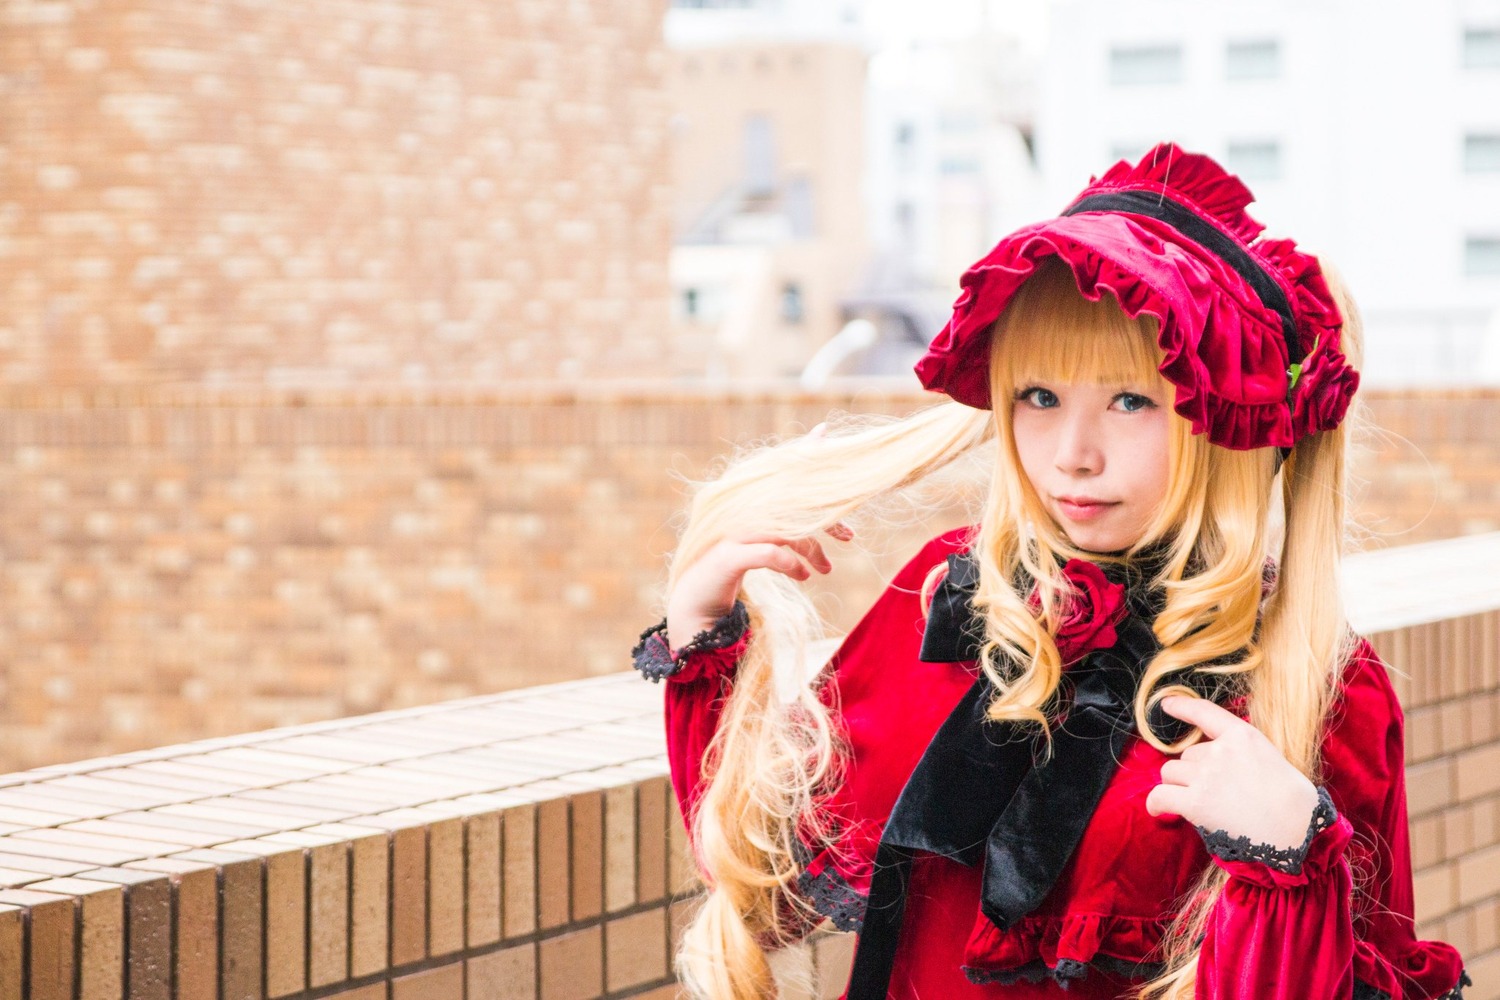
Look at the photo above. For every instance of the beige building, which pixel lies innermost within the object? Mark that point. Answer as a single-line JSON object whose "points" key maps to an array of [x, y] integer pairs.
{"points": [[768, 169]]}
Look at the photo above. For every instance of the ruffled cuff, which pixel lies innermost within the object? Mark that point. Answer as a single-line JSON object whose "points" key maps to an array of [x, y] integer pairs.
{"points": [[1328, 834], [1364, 991], [721, 645], [1457, 993]]}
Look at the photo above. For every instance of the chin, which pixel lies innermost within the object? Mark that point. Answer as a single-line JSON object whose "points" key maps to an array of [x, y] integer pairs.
{"points": [[1101, 542]]}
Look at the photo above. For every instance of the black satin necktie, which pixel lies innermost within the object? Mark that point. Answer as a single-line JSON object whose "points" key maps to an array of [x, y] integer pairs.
{"points": [[980, 791]]}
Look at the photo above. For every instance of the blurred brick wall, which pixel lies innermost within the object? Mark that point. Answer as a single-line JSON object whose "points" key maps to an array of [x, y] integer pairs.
{"points": [[181, 563], [1431, 467], [400, 192]]}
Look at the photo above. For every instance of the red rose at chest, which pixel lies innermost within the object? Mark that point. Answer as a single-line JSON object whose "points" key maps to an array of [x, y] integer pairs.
{"points": [[1091, 612]]}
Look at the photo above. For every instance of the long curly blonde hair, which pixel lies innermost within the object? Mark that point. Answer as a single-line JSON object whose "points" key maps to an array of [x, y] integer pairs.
{"points": [[776, 753]]}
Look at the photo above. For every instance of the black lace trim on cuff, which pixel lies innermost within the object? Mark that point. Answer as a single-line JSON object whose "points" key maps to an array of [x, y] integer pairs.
{"points": [[828, 892], [834, 898], [1065, 972], [653, 657], [1285, 860], [1457, 993], [1364, 991]]}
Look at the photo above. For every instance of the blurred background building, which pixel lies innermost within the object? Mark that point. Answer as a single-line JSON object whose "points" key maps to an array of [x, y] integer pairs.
{"points": [[1385, 158], [1372, 131], [352, 356]]}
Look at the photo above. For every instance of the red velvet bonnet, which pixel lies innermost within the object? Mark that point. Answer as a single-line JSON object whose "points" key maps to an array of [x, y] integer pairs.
{"points": [[1248, 328]]}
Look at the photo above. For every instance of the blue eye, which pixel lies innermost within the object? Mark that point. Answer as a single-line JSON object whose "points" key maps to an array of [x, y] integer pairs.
{"points": [[1134, 402], [1037, 396]]}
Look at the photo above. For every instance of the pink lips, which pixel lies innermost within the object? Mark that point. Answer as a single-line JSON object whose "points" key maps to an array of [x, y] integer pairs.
{"points": [[1083, 508]]}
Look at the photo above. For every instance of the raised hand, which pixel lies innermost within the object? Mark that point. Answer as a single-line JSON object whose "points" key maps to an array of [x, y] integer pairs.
{"points": [[1235, 780], [706, 590]]}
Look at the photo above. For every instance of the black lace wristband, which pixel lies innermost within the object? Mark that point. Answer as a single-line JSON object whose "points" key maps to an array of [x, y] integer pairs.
{"points": [[653, 657], [1287, 860], [1457, 993]]}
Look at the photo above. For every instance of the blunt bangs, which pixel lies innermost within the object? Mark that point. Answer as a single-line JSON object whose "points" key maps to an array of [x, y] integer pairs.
{"points": [[1051, 333]]}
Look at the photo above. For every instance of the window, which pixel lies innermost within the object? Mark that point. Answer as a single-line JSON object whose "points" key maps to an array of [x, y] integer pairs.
{"points": [[959, 122], [797, 202], [1144, 64], [906, 223], [906, 146], [701, 304], [760, 155], [1482, 256], [1482, 48], [958, 165], [1482, 153], [1255, 160], [1259, 59], [792, 308]]}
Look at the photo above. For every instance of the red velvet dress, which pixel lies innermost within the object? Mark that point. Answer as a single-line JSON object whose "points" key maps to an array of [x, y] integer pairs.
{"points": [[1271, 936]]}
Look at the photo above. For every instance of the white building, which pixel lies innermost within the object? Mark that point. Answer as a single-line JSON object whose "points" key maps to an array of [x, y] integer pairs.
{"points": [[1369, 131], [949, 157], [692, 23], [945, 166]]}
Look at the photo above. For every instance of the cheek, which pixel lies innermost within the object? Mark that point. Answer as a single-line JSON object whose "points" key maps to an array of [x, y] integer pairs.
{"points": [[1152, 465], [1031, 444]]}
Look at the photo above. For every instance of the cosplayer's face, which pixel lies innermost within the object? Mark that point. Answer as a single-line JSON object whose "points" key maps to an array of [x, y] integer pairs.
{"points": [[1097, 456]]}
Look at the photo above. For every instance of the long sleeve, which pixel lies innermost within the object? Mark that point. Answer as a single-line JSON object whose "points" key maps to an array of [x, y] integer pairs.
{"points": [[1343, 926], [695, 700], [698, 679]]}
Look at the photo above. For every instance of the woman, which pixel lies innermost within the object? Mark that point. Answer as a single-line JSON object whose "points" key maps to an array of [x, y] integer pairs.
{"points": [[1116, 739]]}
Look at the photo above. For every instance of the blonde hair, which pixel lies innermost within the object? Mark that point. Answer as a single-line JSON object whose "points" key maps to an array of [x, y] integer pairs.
{"points": [[774, 756]]}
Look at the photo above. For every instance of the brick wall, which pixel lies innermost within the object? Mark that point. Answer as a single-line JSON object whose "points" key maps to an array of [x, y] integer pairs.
{"points": [[1433, 613], [1431, 466], [177, 564], [303, 194], [525, 846]]}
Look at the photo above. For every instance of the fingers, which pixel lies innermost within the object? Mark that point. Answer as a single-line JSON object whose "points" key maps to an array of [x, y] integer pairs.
{"points": [[1168, 800], [808, 549], [1215, 721], [781, 558], [1196, 752], [1178, 772]]}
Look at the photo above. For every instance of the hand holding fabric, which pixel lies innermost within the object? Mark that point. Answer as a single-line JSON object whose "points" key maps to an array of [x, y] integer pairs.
{"points": [[1233, 781]]}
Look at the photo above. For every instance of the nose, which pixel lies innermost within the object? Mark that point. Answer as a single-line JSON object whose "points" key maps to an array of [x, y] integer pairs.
{"points": [[1078, 446]]}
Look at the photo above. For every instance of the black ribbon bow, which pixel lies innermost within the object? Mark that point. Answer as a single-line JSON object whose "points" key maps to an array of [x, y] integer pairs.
{"points": [[980, 791]]}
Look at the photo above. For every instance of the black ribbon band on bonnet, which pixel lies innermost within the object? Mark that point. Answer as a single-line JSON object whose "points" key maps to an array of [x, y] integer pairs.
{"points": [[1206, 235], [1210, 238]]}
